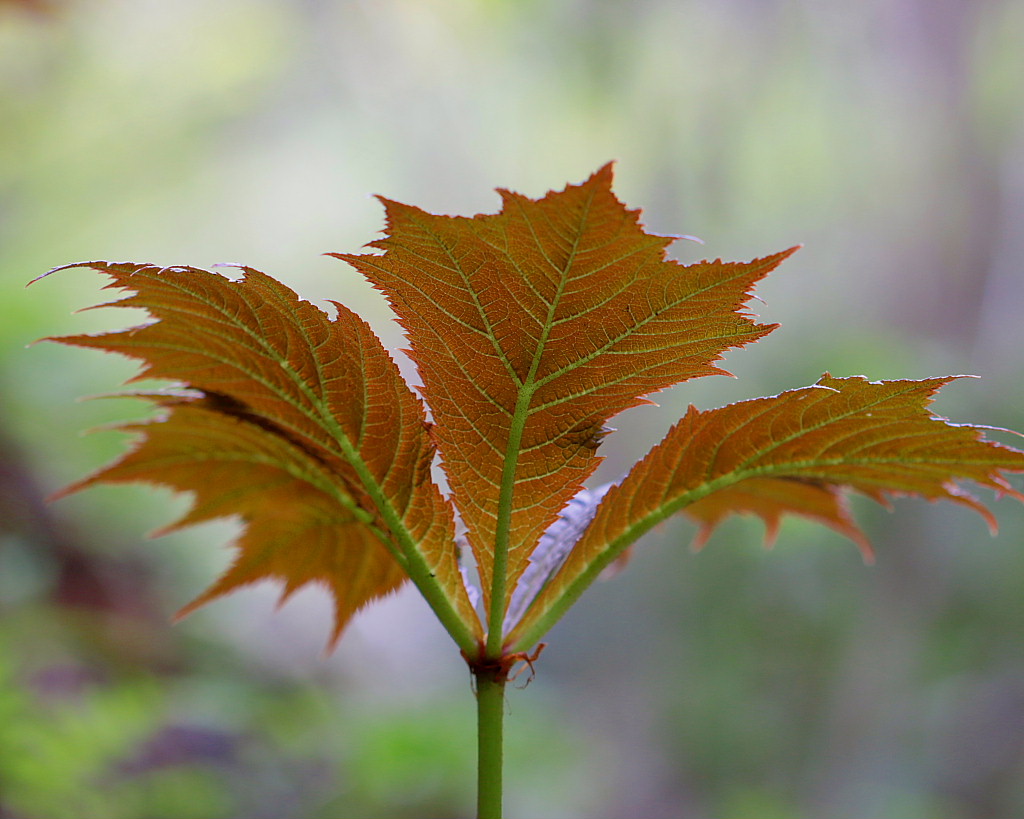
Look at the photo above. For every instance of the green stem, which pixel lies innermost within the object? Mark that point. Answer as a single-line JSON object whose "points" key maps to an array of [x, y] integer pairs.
{"points": [[502, 530], [490, 710]]}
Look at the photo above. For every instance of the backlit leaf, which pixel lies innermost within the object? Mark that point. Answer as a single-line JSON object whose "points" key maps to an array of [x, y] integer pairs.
{"points": [[790, 453], [302, 523], [304, 428], [532, 327]]}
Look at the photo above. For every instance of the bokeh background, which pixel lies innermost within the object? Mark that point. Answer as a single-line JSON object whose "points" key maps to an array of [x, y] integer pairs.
{"points": [[887, 136]]}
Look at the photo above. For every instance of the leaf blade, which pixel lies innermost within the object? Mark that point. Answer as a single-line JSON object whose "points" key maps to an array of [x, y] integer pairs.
{"points": [[785, 454], [301, 524], [326, 387], [532, 327]]}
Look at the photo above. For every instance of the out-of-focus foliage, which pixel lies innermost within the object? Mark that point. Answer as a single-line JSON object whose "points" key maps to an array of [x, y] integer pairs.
{"points": [[887, 137]]}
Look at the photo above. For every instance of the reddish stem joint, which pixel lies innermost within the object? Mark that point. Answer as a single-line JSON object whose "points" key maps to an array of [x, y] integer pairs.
{"points": [[498, 669]]}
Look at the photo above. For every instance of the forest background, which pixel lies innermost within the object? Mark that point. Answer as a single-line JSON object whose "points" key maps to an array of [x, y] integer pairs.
{"points": [[888, 137]]}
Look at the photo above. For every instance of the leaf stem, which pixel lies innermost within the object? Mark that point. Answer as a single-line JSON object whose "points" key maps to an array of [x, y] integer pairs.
{"points": [[490, 709]]}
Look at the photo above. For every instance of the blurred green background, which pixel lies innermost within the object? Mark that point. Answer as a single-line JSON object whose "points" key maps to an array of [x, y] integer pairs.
{"points": [[887, 136]]}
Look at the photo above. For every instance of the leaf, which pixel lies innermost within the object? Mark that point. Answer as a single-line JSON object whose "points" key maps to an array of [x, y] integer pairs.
{"points": [[554, 546], [770, 499], [302, 525], [532, 327], [790, 453], [302, 426]]}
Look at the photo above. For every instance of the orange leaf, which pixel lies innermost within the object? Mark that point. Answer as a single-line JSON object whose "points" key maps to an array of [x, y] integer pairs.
{"points": [[789, 453], [532, 327], [302, 525], [303, 427], [770, 499]]}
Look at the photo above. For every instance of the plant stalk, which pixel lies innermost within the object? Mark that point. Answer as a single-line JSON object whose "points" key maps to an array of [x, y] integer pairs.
{"points": [[490, 710]]}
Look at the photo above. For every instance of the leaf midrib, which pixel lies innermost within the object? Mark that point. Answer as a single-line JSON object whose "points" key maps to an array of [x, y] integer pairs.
{"points": [[527, 389]]}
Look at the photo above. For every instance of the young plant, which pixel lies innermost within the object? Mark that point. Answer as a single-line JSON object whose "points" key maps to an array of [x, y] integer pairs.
{"points": [[530, 329]]}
